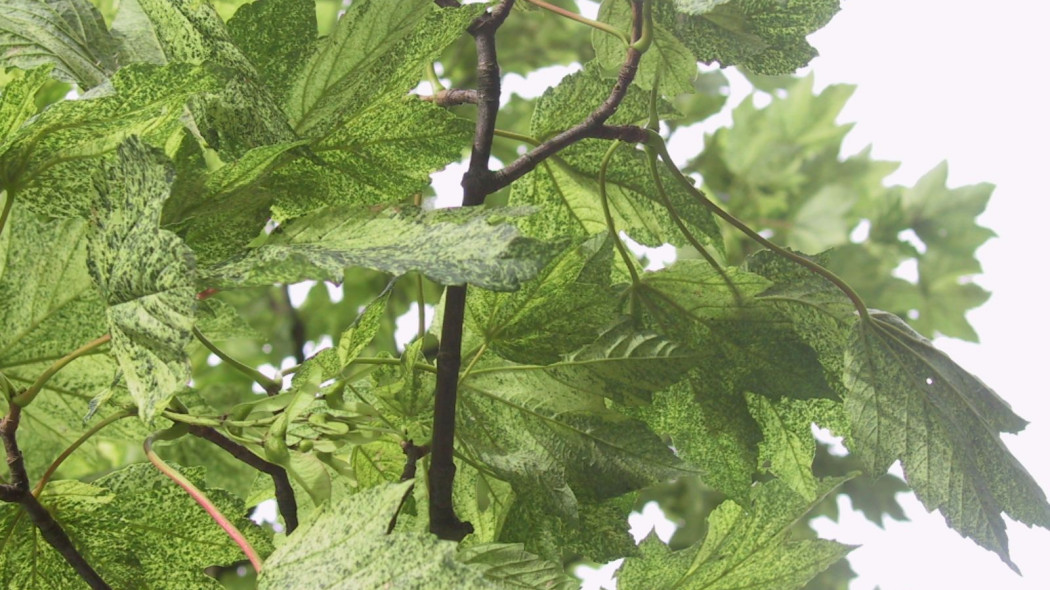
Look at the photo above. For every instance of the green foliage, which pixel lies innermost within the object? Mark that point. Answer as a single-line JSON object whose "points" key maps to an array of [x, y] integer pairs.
{"points": [[219, 152]]}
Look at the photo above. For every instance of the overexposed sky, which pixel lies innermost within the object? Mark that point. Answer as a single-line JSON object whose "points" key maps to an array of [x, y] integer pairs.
{"points": [[962, 81]]}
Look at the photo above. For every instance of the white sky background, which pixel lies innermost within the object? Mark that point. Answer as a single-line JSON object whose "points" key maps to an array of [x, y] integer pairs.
{"points": [[961, 81]]}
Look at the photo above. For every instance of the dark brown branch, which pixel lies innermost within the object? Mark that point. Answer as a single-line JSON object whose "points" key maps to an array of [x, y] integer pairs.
{"points": [[18, 491], [443, 520], [453, 97], [448, 3], [589, 127], [282, 487], [413, 453]]}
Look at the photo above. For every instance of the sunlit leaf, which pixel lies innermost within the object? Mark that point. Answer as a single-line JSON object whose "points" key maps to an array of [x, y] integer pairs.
{"points": [[910, 402], [145, 275], [449, 246]]}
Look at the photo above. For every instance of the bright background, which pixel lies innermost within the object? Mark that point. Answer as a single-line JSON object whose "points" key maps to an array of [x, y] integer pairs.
{"points": [[961, 81]]}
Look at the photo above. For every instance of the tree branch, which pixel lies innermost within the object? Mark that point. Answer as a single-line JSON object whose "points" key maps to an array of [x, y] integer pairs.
{"points": [[452, 97], [592, 126], [282, 487], [18, 491], [443, 520]]}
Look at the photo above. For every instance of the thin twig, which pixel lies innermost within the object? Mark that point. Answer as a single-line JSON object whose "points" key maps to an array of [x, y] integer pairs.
{"points": [[592, 126], [452, 97], [413, 453], [18, 491], [282, 487], [204, 502]]}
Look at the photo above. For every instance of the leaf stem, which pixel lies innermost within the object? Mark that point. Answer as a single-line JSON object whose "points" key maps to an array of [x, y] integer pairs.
{"points": [[271, 386], [657, 143], [76, 444], [605, 27], [603, 195], [516, 136], [432, 77], [201, 499], [654, 169], [26, 397], [473, 361], [9, 201]]}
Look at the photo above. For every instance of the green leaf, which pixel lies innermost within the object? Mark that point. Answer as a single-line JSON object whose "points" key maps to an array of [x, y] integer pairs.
{"points": [[68, 34], [50, 309], [709, 428], [49, 164], [382, 153], [764, 36], [346, 544], [594, 531], [668, 63], [536, 428], [145, 275], [135, 526], [562, 309], [219, 211], [742, 346], [185, 31], [378, 50], [360, 334], [909, 401], [744, 548], [450, 246], [628, 363], [788, 448], [17, 101], [276, 35], [510, 566], [570, 101]]}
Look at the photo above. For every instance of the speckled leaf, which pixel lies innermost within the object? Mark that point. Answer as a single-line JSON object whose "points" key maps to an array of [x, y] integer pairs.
{"points": [[345, 545], [276, 35], [451, 246], [552, 432], [68, 34], [909, 401], [594, 531], [745, 547], [384, 153], [246, 114], [764, 36], [50, 163], [377, 50], [510, 566], [560, 310], [667, 62], [219, 211], [711, 429], [51, 308], [186, 31], [16, 99], [748, 345], [219, 321], [135, 526], [788, 446], [630, 363], [355, 338], [145, 275]]}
